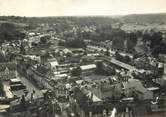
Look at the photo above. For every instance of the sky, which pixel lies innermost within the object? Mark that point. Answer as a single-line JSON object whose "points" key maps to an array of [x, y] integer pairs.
{"points": [[80, 7]]}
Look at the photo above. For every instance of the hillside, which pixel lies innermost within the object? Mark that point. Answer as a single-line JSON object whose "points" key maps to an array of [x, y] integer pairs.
{"points": [[144, 18], [70, 20]]}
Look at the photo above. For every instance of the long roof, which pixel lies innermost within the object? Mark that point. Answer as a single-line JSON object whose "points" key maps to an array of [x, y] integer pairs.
{"points": [[120, 64], [15, 80], [88, 67]]}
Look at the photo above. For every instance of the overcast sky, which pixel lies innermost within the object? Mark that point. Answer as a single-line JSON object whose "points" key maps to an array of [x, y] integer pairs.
{"points": [[80, 7]]}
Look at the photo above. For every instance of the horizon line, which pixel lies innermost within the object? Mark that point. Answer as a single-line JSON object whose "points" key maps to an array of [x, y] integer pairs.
{"points": [[113, 15]]}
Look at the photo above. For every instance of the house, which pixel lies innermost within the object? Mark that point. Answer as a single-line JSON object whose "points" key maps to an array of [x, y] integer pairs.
{"points": [[162, 57], [134, 88], [111, 91], [8, 70], [89, 104], [62, 92], [144, 62], [53, 65], [103, 89]]}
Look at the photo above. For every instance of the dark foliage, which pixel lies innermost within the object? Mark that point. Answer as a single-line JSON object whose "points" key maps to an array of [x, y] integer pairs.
{"points": [[1, 88], [146, 18], [101, 71], [76, 71], [131, 41], [107, 53], [156, 43], [73, 43], [125, 59], [156, 39], [9, 32]]}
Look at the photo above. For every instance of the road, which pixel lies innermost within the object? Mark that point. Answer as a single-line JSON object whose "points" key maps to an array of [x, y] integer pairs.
{"points": [[30, 87]]}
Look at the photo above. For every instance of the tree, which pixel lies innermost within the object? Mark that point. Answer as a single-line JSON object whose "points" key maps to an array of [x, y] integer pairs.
{"points": [[23, 103], [1, 88], [118, 56], [139, 34], [131, 41], [146, 37], [156, 50], [107, 53], [118, 42], [156, 39], [125, 59], [43, 40], [10, 31], [76, 71], [75, 43], [34, 44], [22, 49], [99, 68], [2, 57]]}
